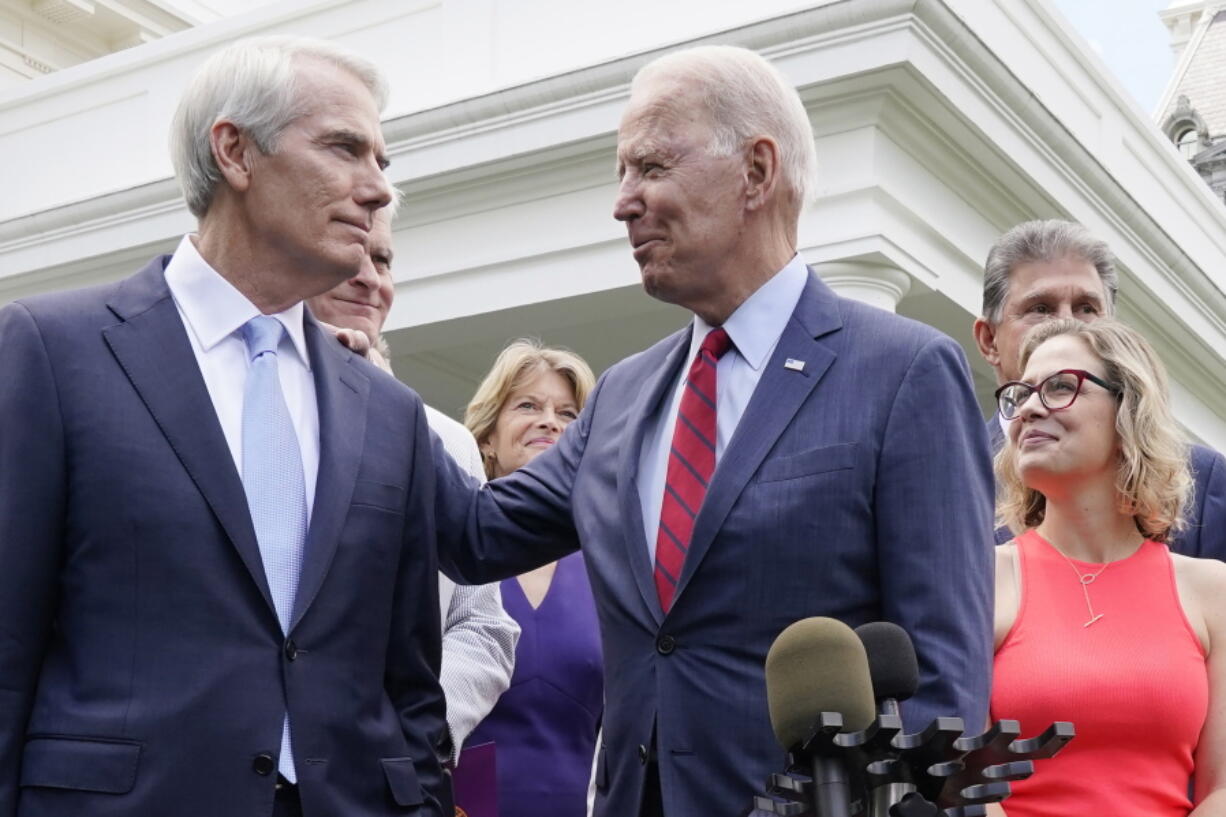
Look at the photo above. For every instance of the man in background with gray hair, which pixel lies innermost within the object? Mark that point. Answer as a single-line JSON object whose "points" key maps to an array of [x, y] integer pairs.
{"points": [[788, 453], [218, 583], [1041, 270]]}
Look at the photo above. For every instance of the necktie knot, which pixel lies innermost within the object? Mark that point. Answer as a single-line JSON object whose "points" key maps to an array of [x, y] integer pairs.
{"points": [[262, 334], [716, 343]]}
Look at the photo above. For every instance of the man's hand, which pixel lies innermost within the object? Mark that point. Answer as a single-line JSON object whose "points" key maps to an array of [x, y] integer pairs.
{"points": [[357, 341]]}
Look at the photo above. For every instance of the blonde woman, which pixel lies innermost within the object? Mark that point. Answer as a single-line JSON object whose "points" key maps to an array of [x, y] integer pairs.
{"points": [[1096, 621], [544, 727]]}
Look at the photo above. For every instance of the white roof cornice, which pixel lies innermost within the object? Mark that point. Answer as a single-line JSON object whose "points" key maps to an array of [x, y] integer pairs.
{"points": [[1211, 8]]}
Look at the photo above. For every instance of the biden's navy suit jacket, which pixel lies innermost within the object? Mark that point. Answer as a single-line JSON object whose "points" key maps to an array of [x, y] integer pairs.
{"points": [[1205, 533], [142, 668], [856, 486]]}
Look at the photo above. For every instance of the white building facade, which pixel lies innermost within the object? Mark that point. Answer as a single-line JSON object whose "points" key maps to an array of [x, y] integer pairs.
{"points": [[939, 124]]}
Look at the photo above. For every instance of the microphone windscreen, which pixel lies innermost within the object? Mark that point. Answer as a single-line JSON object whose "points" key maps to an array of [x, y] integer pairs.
{"points": [[891, 660], [817, 665]]}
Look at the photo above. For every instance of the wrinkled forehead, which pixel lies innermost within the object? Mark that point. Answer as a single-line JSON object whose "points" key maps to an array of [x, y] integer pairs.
{"points": [[1069, 277], [661, 112], [323, 89]]}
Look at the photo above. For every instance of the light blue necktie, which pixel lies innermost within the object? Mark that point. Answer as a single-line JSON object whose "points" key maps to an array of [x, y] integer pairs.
{"points": [[273, 481]]}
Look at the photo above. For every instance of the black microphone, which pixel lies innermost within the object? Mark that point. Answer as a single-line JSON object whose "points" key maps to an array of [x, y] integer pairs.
{"points": [[816, 666], [892, 664], [894, 670]]}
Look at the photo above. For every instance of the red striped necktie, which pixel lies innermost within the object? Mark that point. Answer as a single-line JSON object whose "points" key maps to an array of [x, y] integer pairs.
{"points": [[691, 462]]}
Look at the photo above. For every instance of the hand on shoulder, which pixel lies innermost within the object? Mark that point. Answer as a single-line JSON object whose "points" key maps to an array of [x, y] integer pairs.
{"points": [[358, 342]]}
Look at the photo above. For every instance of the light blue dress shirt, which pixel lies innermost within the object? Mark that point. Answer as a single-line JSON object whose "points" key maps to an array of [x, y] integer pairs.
{"points": [[755, 328], [214, 312]]}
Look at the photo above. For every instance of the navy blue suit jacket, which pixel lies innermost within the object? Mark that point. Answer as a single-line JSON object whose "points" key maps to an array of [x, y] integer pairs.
{"points": [[142, 669], [858, 487], [1205, 534]]}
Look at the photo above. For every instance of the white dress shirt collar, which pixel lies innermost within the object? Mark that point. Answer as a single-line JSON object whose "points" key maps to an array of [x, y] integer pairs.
{"points": [[213, 309], [757, 324]]}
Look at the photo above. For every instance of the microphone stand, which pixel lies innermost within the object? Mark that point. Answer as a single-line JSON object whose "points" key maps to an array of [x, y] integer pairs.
{"points": [[882, 772], [831, 784], [887, 779]]}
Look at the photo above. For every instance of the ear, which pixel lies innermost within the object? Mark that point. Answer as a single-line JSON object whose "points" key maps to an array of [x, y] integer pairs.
{"points": [[762, 171], [233, 151], [985, 339]]}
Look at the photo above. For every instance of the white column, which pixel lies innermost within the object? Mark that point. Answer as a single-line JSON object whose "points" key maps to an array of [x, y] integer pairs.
{"points": [[878, 285]]}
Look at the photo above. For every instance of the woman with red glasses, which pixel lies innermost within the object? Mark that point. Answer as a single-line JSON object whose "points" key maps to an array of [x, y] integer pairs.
{"points": [[1096, 621]]}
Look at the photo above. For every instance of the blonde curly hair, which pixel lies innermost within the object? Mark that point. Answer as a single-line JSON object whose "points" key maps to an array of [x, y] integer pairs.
{"points": [[1153, 482]]}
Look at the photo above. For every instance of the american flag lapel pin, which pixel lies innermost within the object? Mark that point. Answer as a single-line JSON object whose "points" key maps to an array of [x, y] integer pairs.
{"points": [[794, 364]]}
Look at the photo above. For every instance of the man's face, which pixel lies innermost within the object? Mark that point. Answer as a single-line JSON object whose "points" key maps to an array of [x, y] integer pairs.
{"points": [[1038, 291], [313, 199], [682, 206], [363, 301]]}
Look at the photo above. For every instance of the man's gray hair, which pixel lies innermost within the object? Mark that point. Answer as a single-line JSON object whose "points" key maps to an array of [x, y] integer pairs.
{"points": [[1049, 240], [252, 83], [747, 97]]}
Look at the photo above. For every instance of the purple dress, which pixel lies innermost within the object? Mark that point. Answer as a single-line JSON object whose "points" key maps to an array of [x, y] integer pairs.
{"points": [[544, 727]]}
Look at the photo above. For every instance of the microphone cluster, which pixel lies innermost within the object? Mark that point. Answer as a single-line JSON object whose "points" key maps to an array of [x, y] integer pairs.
{"points": [[833, 696]]}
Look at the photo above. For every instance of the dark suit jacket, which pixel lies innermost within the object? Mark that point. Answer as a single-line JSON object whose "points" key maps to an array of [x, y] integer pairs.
{"points": [[142, 669], [1205, 534], [858, 488]]}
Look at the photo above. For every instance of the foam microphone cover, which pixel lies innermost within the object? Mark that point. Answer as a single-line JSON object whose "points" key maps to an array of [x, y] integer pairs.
{"points": [[817, 665], [891, 660]]}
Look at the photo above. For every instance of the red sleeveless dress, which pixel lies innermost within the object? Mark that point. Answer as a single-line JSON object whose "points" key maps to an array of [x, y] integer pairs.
{"points": [[1134, 684]]}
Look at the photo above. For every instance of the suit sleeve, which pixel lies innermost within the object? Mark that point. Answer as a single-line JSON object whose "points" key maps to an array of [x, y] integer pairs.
{"points": [[1208, 519], [479, 637], [518, 522], [933, 506], [32, 512]]}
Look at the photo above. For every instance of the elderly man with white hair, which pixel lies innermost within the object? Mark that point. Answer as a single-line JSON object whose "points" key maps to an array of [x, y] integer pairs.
{"points": [[789, 453], [218, 586]]}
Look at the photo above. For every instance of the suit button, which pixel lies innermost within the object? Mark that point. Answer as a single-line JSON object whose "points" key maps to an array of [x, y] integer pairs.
{"points": [[291, 650], [665, 644], [642, 754], [264, 764]]}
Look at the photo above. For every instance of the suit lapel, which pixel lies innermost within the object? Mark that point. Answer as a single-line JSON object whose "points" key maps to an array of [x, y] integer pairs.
{"points": [[341, 391], [776, 399], [646, 404], [152, 347]]}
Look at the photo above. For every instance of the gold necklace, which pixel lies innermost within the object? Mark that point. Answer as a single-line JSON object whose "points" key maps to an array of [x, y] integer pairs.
{"points": [[1086, 579]]}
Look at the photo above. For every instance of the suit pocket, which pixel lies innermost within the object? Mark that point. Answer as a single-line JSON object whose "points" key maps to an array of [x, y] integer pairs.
{"points": [[378, 495], [839, 457], [402, 780], [84, 764]]}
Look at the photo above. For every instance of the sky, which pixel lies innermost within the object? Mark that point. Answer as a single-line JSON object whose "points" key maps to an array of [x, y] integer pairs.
{"points": [[1128, 36]]}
